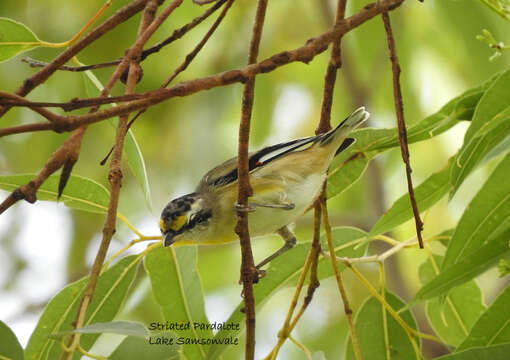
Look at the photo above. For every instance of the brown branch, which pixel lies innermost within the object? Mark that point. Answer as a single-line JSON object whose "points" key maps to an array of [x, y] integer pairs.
{"points": [[335, 62], [176, 34], [36, 64], [314, 254], [249, 274], [25, 128], [402, 132], [120, 16], [304, 54], [28, 192], [115, 179]]}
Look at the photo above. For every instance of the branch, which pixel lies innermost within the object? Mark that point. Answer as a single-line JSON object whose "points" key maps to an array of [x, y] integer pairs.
{"points": [[249, 273], [402, 132], [304, 54], [310, 263], [56, 161], [177, 34], [339, 282], [115, 178], [120, 16], [335, 62]]}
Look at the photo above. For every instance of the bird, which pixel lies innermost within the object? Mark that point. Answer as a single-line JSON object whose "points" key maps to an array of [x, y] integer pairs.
{"points": [[286, 179]]}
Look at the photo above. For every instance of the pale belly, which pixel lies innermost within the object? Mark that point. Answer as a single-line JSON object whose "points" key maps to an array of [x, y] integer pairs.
{"points": [[265, 221]]}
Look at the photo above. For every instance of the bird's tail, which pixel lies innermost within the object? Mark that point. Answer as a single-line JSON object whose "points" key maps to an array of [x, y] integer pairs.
{"points": [[338, 134]]}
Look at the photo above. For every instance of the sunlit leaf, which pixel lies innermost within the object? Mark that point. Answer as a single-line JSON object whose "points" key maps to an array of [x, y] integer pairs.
{"points": [[80, 193], [489, 126], [15, 38], [370, 331], [453, 318], [132, 150], [158, 347], [177, 289], [467, 268], [493, 326], [484, 218], [60, 312], [427, 194], [10, 347], [496, 352], [283, 271]]}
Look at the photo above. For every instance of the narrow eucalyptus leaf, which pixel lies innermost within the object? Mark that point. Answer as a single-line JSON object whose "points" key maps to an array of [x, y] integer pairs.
{"points": [[15, 38]]}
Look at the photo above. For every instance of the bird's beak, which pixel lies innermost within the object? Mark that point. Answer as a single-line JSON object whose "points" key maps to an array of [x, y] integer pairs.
{"points": [[169, 238]]}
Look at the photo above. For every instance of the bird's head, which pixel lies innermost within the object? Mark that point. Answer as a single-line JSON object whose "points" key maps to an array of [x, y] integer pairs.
{"points": [[183, 216]]}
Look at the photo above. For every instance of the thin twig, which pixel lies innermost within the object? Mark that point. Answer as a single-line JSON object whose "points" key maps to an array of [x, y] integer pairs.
{"points": [[249, 273], [314, 251], [402, 132], [56, 161], [339, 282], [120, 16], [335, 62], [189, 58], [310, 263]]}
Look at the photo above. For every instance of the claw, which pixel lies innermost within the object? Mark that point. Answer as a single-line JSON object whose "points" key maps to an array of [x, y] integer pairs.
{"points": [[243, 208]]}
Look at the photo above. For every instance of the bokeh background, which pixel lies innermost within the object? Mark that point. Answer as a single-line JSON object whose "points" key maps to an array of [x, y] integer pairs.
{"points": [[46, 245]]}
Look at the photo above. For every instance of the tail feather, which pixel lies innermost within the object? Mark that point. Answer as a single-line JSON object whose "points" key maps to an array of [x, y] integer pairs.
{"points": [[345, 127]]}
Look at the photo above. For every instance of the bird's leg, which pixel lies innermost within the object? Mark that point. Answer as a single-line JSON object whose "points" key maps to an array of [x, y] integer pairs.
{"points": [[253, 206], [290, 241]]}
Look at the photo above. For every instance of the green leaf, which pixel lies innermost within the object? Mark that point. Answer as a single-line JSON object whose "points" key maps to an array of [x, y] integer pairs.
{"points": [[484, 218], [486, 139], [122, 327], [80, 193], [346, 174], [493, 326], [466, 269], [493, 101], [488, 128], [370, 330], [132, 151], [453, 318], [10, 347], [283, 271], [427, 194], [457, 109], [496, 352], [59, 313], [14, 32], [158, 347], [177, 289]]}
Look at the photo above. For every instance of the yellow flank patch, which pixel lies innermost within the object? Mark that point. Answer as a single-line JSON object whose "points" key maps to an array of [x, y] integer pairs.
{"points": [[162, 225], [178, 223]]}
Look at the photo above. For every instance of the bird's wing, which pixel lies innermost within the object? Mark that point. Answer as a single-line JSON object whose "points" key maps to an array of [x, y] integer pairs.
{"points": [[226, 173]]}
